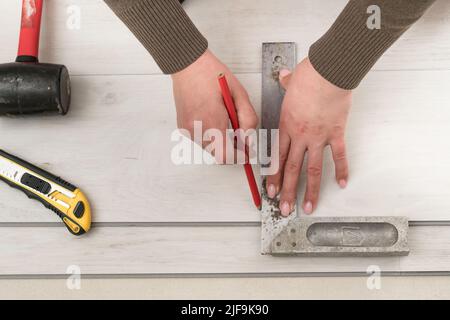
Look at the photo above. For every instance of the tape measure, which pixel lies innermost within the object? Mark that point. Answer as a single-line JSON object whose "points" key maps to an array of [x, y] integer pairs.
{"points": [[60, 196]]}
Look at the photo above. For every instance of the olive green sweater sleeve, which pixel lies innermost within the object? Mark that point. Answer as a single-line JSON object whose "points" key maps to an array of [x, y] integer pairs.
{"points": [[164, 29], [349, 49], [344, 55]]}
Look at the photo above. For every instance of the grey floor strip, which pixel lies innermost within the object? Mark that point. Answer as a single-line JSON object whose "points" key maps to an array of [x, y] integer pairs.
{"points": [[424, 223], [134, 224], [227, 275]]}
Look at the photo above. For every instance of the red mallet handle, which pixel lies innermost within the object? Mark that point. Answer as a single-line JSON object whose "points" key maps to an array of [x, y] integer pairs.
{"points": [[30, 29], [231, 109]]}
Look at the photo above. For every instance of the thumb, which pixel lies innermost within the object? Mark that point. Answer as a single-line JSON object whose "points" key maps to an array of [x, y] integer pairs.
{"points": [[285, 77]]}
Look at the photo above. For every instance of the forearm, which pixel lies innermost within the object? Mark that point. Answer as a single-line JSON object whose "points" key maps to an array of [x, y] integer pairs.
{"points": [[165, 30], [349, 49]]}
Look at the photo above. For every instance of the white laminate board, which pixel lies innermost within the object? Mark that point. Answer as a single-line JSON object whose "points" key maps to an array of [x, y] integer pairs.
{"points": [[192, 251], [115, 145], [235, 30]]}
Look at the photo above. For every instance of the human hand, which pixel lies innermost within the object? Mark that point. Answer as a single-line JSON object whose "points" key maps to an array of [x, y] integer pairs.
{"points": [[198, 98], [313, 115]]}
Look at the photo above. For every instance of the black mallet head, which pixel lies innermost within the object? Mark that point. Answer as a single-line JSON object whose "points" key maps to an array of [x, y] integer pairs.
{"points": [[31, 87], [28, 86]]}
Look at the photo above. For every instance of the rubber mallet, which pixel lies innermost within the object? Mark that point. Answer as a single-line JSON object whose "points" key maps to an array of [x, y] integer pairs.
{"points": [[27, 86]]}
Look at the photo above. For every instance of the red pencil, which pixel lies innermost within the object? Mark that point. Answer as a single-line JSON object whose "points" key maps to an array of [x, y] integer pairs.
{"points": [[231, 109]]}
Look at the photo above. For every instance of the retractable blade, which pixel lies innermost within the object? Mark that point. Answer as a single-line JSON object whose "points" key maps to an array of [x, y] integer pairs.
{"points": [[56, 194]]}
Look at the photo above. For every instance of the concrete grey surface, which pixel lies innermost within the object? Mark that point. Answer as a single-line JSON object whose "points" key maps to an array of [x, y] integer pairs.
{"points": [[343, 236]]}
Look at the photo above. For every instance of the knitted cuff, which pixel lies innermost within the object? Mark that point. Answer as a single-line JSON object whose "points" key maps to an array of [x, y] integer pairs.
{"points": [[165, 30], [349, 49]]}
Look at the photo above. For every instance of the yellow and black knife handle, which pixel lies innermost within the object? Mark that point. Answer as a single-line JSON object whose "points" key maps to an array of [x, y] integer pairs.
{"points": [[60, 196]]}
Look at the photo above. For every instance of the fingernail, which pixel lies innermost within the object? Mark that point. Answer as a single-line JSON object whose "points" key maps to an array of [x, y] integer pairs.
{"points": [[271, 191], [308, 207], [284, 73], [285, 209], [342, 183]]}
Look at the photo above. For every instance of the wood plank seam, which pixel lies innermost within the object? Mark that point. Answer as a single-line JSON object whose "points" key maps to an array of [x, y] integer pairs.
{"points": [[227, 275], [412, 223]]}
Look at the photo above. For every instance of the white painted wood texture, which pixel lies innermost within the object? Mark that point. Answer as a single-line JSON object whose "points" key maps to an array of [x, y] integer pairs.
{"points": [[234, 28], [115, 144], [193, 250]]}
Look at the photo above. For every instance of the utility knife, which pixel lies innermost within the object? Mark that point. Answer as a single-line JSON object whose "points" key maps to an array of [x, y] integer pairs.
{"points": [[56, 194]]}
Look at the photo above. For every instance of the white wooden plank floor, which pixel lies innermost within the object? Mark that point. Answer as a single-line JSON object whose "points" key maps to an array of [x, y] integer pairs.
{"points": [[119, 153], [234, 28], [115, 144], [158, 251]]}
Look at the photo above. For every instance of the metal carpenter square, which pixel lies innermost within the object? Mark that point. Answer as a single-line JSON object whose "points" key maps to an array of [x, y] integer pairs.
{"points": [[275, 56], [343, 236], [327, 236]]}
